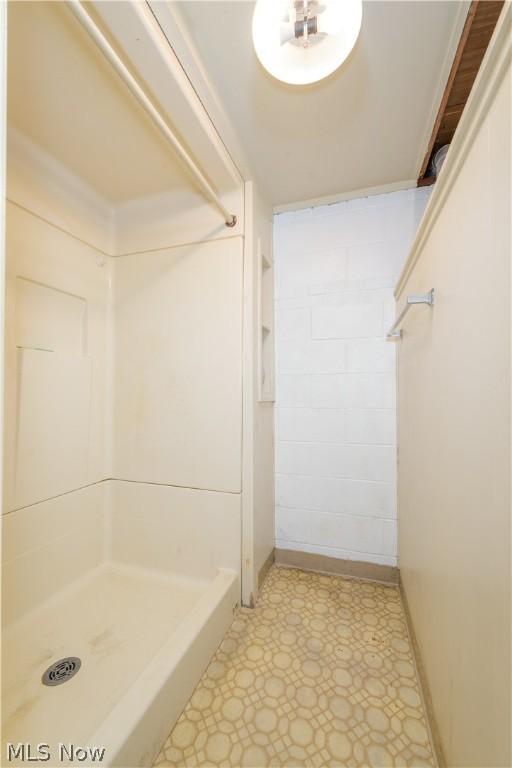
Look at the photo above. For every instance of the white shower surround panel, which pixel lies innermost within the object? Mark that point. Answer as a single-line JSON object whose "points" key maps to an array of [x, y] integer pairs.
{"points": [[336, 267], [56, 382], [166, 557], [177, 379]]}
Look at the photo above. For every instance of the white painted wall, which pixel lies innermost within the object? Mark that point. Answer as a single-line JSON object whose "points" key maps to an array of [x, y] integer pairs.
{"points": [[263, 387], [258, 413], [3, 126], [454, 424], [335, 392]]}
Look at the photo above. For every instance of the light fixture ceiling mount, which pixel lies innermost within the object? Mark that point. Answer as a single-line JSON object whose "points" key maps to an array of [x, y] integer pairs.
{"points": [[303, 41]]}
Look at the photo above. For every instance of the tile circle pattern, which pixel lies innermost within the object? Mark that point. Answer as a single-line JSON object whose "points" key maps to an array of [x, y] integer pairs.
{"points": [[320, 673]]}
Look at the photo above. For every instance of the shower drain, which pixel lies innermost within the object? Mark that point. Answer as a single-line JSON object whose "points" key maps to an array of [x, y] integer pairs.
{"points": [[62, 671]]}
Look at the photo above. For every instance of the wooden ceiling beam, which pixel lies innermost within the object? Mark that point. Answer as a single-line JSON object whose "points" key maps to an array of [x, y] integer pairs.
{"points": [[476, 34]]}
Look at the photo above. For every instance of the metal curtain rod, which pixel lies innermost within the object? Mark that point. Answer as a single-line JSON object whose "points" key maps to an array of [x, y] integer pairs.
{"points": [[85, 20], [422, 298]]}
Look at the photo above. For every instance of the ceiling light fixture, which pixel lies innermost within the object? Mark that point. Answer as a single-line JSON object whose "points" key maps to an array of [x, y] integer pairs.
{"points": [[303, 41]]}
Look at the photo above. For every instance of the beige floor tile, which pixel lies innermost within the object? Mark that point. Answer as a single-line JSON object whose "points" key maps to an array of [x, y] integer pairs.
{"points": [[320, 673]]}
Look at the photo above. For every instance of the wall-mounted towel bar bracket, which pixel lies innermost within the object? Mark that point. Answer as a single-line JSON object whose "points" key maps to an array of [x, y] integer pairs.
{"points": [[395, 332]]}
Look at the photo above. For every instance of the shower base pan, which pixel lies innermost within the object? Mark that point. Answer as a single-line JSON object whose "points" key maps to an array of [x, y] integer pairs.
{"points": [[144, 638]]}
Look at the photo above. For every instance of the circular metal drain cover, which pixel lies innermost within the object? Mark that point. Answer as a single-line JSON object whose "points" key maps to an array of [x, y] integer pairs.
{"points": [[62, 671]]}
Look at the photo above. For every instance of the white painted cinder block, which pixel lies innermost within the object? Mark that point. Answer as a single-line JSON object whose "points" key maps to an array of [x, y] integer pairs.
{"points": [[293, 391], [355, 390], [332, 494], [371, 426], [346, 322], [370, 356], [311, 425], [304, 356], [359, 534], [356, 462], [293, 324], [336, 267]]}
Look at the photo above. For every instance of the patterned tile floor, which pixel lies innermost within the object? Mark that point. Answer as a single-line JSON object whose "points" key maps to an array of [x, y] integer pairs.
{"points": [[320, 673]]}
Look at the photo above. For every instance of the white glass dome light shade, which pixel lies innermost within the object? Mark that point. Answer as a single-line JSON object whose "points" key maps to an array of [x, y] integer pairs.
{"points": [[289, 60]]}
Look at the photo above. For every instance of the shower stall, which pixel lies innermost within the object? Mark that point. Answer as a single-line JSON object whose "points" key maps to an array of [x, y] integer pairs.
{"points": [[138, 437]]}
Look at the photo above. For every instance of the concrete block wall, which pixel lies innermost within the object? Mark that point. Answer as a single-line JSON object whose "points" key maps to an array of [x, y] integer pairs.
{"points": [[336, 267]]}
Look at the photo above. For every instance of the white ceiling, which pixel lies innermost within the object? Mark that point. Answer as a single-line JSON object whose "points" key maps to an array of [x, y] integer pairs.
{"points": [[366, 126]]}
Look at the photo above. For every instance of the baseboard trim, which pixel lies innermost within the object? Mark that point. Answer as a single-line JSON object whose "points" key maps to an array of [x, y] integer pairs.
{"points": [[422, 677], [265, 568], [356, 569]]}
